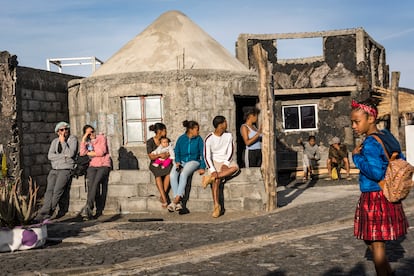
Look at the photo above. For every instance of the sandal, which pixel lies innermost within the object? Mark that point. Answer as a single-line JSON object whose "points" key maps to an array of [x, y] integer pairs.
{"points": [[171, 207], [178, 207], [164, 205]]}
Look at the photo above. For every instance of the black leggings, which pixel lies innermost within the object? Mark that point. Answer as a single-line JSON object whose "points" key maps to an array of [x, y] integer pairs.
{"points": [[253, 158]]}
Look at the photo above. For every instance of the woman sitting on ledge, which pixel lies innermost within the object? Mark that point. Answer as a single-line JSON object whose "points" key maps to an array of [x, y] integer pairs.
{"points": [[188, 158]]}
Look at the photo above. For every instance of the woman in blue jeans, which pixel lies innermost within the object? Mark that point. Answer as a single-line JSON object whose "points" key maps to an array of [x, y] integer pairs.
{"points": [[188, 158]]}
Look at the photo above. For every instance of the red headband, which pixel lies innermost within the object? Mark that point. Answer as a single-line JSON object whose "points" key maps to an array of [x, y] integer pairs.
{"points": [[370, 110]]}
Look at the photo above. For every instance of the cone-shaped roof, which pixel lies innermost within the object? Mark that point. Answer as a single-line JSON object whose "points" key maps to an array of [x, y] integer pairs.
{"points": [[171, 42]]}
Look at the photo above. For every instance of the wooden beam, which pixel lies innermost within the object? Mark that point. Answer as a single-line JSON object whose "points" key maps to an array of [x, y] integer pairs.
{"points": [[266, 102], [395, 114], [300, 91], [301, 34]]}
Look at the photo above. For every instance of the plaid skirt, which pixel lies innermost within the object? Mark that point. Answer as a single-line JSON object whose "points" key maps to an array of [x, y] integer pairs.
{"points": [[377, 219]]}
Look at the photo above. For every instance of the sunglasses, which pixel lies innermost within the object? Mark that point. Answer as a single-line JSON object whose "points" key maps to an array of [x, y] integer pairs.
{"points": [[63, 129]]}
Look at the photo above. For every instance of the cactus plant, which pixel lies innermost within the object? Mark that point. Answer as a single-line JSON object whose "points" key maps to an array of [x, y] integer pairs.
{"points": [[16, 208]]}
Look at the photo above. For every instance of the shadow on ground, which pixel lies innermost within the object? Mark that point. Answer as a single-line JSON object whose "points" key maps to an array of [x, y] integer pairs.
{"points": [[58, 231], [291, 188]]}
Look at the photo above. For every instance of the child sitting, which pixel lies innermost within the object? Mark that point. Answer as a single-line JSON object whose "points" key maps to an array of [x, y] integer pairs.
{"points": [[165, 146], [337, 158], [310, 156]]}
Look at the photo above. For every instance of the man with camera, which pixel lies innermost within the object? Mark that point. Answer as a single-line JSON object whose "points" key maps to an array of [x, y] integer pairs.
{"points": [[61, 154]]}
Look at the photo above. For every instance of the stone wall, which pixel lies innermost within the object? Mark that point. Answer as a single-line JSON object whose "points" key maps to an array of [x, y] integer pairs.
{"points": [[9, 138], [33, 101], [43, 102], [186, 95]]}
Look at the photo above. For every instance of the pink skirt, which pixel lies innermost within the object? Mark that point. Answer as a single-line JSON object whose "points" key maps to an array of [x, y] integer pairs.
{"points": [[377, 219]]}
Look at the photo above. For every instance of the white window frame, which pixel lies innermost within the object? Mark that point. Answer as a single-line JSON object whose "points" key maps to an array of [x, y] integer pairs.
{"points": [[139, 117], [298, 106]]}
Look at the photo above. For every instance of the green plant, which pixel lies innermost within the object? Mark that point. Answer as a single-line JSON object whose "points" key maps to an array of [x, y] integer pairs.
{"points": [[17, 208]]}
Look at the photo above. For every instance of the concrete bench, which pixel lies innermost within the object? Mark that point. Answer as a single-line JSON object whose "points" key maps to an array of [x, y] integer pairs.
{"points": [[134, 191]]}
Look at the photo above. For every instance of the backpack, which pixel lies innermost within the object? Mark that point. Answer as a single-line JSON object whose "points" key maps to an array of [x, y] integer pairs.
{"points": [[398, 179], [81, 165]]}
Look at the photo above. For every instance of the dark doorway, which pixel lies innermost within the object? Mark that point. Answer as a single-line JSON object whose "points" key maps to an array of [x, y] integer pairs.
{"points": [[241, 103]]}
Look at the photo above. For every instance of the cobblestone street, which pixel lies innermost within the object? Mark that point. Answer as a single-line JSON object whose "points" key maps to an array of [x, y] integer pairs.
{"points": [[311, 234]]}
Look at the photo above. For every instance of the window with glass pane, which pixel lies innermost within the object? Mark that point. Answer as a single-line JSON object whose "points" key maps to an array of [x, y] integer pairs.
{"points": [[133, 108], [153, 108], [139, 113], [291, 117], [299, 117], [307, 116]]}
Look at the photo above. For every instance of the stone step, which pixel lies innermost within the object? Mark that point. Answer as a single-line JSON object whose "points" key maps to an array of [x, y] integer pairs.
{"points": [[230, 190], [117, 190], [123, 176], [135, 191], [152, 204]]}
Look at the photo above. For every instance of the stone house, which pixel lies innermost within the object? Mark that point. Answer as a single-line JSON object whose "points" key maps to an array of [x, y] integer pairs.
{"points": [[313, 94], [171, 72]]}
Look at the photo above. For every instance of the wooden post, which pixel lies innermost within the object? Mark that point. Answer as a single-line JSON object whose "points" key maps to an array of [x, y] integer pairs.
{"points": [[267, 123], [395, 114]]}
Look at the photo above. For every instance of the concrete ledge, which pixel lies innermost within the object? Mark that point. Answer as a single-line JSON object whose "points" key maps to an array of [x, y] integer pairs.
{"points": [[123, 190], [134, 191]]}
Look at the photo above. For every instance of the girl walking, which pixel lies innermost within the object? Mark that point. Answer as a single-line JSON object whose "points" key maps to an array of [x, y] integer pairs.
{"points": [[376, 219]]}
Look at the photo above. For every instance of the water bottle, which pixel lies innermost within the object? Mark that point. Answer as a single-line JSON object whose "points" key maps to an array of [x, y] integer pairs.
{"points": [[90, 147]]}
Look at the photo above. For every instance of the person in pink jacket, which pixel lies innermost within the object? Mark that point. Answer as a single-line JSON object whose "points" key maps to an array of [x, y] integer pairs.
{"points": [[96, 147]]}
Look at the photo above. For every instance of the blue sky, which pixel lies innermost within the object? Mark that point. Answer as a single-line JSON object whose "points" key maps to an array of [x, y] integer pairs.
{"points": [[41, 29]]}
